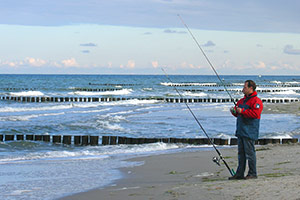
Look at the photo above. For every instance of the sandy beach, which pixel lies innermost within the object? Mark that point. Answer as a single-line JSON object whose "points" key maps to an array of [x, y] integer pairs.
{"points": [[193, 175]]}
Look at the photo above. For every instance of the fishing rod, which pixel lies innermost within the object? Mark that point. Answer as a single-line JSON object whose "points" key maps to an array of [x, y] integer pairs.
{"points": [[211, 65], [216, 160]]}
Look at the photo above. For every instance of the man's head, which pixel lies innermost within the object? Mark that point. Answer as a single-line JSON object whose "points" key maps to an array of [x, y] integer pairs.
{"points": [[249, 87]]}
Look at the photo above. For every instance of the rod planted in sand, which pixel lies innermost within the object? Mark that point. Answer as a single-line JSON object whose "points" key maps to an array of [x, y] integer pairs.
{"points": [[209, 139]]}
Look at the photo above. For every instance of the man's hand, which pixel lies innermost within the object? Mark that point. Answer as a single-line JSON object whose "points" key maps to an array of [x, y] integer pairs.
{"points": [[239, 110]]}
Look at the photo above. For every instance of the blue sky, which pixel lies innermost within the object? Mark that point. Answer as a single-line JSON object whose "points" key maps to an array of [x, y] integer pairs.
{"points": [[141, 36]]}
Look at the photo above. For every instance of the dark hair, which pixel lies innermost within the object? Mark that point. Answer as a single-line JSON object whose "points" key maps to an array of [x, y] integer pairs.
{"points": [[251, 84]]}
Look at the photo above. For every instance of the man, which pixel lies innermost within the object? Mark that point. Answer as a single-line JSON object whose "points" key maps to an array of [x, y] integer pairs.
{"points": [[248, 111]]}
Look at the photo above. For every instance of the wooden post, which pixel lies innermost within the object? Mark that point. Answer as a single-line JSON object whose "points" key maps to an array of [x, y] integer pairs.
{"points": [[94, 140], [38, 137], [85, 140], [56, 138], [275, 141], [29, 137], [233, 141], [294, 140], [1, 138], [217, 141], [261, 141], [67, 139], [77, 140], [9, 137], [105, 140], [46, 138], [121, 140], [20, 137], [113, 140], [224, 142]]}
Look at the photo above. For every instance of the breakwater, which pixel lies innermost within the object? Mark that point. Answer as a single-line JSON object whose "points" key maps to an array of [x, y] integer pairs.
{"points": [[84, 140], [168, 100]]}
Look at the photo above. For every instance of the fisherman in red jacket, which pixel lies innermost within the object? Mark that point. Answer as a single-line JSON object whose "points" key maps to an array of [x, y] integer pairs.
{"points": [[248, 111]]}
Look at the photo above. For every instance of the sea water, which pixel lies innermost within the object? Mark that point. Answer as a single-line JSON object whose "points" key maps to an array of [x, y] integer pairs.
{"points": [[38, 170]]}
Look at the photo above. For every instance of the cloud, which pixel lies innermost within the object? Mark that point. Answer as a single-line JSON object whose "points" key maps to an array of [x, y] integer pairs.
{"points": [[230, 15], [174, 31], [88, 45], [70, 63], [289, 49], [85, 51], [209, 44], [154, 64], [259, 45], [147, 33], [259, 65], [130, 65], [190, 66], [36, 62]]}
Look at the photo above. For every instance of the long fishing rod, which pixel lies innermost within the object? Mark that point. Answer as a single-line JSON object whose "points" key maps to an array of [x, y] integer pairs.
{"points": [[209, 139], [211, 65]]}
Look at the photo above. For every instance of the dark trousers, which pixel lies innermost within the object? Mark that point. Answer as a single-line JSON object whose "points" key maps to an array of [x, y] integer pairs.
{"points": [[246, 151]]}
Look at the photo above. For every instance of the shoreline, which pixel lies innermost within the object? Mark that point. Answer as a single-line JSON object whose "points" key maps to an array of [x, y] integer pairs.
{"points": [[193, 175]]}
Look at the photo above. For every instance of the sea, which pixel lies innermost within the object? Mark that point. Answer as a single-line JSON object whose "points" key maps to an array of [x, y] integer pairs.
{"points": [[41, 170]]}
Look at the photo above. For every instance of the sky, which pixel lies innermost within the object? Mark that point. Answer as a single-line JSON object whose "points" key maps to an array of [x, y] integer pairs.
{"points": [[251, 37]]}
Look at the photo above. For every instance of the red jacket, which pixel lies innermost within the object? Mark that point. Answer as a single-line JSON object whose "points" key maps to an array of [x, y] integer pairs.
{"points": [[248, 121]]}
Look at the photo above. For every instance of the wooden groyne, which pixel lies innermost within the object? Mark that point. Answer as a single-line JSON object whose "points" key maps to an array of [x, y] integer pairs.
{"points": [[227, 85], [117, 140], [83, 140], [18, 89], [240, 90], [98, 89], [107, 99]]}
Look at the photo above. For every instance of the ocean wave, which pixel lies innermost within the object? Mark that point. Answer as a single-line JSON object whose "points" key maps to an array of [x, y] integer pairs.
{"points": [[28, 117], [117, 92], [40, 108], [89, 152], [276, 82], [187, 84], [130, 102], [201, 94], [27, 93], [286, 92]]}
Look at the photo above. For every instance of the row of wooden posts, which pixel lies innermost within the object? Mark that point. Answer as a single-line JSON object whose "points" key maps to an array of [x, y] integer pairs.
{"points": [[56, 139], [237, 90], [169, 100], [116, 140], [228, 85]]}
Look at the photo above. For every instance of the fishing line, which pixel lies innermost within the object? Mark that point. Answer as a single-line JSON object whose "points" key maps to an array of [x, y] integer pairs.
{"points": [[216, 160], [211, 65]]}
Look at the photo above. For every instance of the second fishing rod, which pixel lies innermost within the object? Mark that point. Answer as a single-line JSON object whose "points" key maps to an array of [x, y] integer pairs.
{"points": [[216, 160]]}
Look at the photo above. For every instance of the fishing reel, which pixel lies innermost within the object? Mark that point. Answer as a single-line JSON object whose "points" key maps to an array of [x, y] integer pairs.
{"points": [[216, 160]]}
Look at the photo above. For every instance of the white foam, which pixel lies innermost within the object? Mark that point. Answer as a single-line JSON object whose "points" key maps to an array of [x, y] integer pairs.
{"points": [[147, 89], [130, 102], [117, 92], [286, 92], [27, 117], [19, 192], [27, 93], [188, 84], [40, 108], [201, 94], [276, 82]]}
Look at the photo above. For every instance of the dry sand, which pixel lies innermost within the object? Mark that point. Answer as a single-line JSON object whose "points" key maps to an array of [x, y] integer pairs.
{"points": [[193, 175]]}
